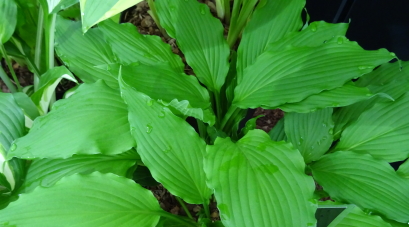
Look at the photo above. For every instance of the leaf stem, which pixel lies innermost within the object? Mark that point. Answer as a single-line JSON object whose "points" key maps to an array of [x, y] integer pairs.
{"points": [[206, 208], [7, 81], [182, 203], [10, 66], [202, 129], [39, 41], [219, 109]]}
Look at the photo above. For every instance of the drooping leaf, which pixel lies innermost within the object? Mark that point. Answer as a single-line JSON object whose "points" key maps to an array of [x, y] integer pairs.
{"points": [[92, 11], [8, 18], [171, 88], [361, 179], [92, 121], [85, 200], [168, 146], [310, 133], [46, 172], [48, 83], [355, 217], [386, 73], [200, 37], [261, 179], [130, 46], [271, 21], [293, 74], [82, 52], [380, 131], [342, 96]]}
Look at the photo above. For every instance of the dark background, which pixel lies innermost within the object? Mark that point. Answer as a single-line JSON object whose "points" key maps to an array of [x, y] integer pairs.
{"points": [[374, 24]]}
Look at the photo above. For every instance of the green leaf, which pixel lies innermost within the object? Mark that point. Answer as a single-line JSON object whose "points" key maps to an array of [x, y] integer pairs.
{"points": [[92, 11], [54, 6], [404, 169], [85, 200], [271, 21], [176, 89], [46, 172], [342, 96], [380, 131], [82, 52], [168, 146], [8, 18], [204, 46], [26, 104], [11, 120], [92, 121], [277, 133], [25, 27], [353, 216], [130, 46], [261, 179], [361, 179], [386, 73], [310, 133], [295, 73], [47, 85]]}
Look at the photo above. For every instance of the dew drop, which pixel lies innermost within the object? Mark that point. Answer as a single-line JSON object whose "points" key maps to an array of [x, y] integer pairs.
{"points": [[149, 128], [313, 27], [168, 149], [325, 41], [13, 147], [203, 9], [393, 54], [133, 129], [161, 114], [261, 147], [340, 40], [362, 67], [149, 102], [324, 124], [172, 8]]}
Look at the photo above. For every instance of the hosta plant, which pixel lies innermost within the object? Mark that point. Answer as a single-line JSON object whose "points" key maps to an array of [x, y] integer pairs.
{"points": [[344, 123]]}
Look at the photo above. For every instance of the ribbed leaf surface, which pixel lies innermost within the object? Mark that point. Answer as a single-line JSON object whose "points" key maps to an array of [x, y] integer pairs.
{"points": [[381, 131], [46, 172], [11, 120], [360, 179], [258, 182], [355, 217], [85, 200], [386, 73], [130, 46], [168, 146], [92, 121], [172, 88], [294, 74], [8, 16], [200, 37], [310, 133], [271, 21], [82, 52]]}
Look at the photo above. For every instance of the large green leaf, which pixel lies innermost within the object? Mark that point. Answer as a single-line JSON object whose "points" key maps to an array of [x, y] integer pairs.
{"points": [[130, 46], [85, 200], [355, 217], [361, 179], [271, 21], [295, 73], [386, 73], [342, 96], [92, 11], [8, 18], [259, 182], [310, 133], [92, 121], [82, 52], [381, 131], [11, 120], [200, 37], [171, 88], [46, 172], [48, 83], [168, 146]]}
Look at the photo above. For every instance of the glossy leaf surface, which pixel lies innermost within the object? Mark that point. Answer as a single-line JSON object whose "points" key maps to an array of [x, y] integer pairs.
{"points": [[92, 121], [168, 146], [360, 179], [261, 179], [85, 200]]}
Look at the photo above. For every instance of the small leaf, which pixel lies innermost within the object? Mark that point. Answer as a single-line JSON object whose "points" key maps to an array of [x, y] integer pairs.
{"points": [[168, 146], [261, 179], [85, 200], [353, 216], [310, 133], [380, 131], [8, 18], [92, 121], [205, 48], [361, 179], [92, 11], [277, 133]]}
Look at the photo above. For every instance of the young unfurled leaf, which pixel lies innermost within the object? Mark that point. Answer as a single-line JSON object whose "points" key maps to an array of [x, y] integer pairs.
{"points": [[85, 200], [261, 179], [168, 146], [363, 180], [92, 121]]}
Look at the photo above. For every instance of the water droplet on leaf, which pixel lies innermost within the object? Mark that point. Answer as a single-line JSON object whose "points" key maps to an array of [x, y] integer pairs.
{"points": [[203, 9], [149, 102], [313, 27], [13, 147], [161, 114], [149, 128], [168, 149]]}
